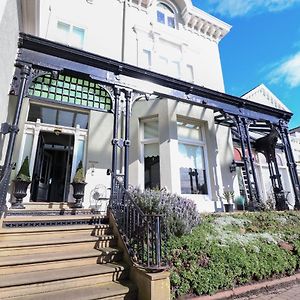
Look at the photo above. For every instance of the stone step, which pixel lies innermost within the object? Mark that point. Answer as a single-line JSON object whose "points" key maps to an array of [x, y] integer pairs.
{"points": [[92, 274], [48, 205], [57, 220], [31, 240], [55, 235], [52, 229], [104, 291], [103, 255]]}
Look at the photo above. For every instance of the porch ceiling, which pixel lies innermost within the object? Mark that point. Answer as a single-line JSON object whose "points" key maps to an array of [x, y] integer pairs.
{"points": [[47, 55]]}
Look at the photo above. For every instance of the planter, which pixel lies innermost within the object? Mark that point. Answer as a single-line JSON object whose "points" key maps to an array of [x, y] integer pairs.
{"points": [[228, 207], [20, 191], [78, 193]]}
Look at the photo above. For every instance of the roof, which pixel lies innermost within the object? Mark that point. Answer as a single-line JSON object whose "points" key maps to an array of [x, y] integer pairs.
{"points": [[261, 94]]}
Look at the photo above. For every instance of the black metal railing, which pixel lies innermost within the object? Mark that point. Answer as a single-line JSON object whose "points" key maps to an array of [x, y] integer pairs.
{"points": [[143, 234]]}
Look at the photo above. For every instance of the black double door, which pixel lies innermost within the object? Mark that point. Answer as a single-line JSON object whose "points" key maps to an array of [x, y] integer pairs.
{"points": [[52, 169]]}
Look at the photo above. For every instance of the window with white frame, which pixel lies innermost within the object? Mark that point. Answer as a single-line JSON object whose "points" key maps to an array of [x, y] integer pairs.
{"points": [[191, 148], [146, 59], [70, 34], [165, 15], [150, 143]]}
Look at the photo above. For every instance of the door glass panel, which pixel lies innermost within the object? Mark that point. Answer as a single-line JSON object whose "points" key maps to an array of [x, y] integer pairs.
{"points": [[27, 147], [48, 115], [65, 118], [81, 120], [80, 153]]}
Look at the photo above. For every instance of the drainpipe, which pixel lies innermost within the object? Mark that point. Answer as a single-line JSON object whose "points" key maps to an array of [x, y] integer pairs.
{"points": [[124, 31]]}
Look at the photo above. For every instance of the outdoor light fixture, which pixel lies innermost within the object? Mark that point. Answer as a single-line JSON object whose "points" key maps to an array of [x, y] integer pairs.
{"points": [[232, 167]]}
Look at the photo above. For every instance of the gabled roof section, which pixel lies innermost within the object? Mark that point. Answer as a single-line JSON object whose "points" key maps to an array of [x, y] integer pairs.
{"points": [[262, 95]]}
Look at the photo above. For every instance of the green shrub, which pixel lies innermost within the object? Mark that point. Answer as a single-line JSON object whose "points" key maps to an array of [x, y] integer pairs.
{"points": [[79, 175], [23, 173], [181, 214], [226, 251]]}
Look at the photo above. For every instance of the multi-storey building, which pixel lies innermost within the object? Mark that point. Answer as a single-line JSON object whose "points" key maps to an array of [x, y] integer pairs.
{"points": [[182, 143]]}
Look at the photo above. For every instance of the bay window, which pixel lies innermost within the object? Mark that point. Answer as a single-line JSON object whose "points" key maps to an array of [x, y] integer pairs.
{"points": [[191, 150]]}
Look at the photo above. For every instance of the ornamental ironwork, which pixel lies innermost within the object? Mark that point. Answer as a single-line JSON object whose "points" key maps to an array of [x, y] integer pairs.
{"points": [[70, 90]]}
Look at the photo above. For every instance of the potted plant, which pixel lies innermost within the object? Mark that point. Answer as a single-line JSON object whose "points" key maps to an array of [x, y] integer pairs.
{"points": [[239, 203], [21, 184], [78, 185], [228, 196]]}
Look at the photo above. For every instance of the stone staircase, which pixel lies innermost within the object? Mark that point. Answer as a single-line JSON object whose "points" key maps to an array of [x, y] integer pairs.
{"points": [[55, 253]]}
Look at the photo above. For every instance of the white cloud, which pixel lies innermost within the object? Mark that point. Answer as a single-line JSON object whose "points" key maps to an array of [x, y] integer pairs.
{"points": [[287, 71], [234, 8]]}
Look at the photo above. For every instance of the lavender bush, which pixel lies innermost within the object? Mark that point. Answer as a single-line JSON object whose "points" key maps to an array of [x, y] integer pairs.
{"points": [[180, 213]]}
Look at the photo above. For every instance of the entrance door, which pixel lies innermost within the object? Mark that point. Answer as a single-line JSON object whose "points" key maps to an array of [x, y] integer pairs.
{"points": [[52, 169]]}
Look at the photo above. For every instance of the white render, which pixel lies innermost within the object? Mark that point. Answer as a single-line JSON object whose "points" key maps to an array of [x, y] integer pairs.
{"points": [[128, 31]]}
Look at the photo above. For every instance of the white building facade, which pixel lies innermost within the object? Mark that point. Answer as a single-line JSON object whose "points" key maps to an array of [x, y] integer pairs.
{"points": [[174, 144]]}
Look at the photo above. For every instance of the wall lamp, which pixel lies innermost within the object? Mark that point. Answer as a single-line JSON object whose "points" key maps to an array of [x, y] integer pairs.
{"points": [[232, 167]]}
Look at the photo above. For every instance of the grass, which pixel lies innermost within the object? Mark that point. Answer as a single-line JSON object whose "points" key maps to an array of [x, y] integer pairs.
{"points": [[234, 249]]}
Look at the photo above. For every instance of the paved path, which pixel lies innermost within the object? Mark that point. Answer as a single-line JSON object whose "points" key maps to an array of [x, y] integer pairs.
{"points": [[288, 292]]}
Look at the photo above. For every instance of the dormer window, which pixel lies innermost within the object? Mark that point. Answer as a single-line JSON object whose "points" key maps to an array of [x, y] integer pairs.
{"points": [[165, 15]]}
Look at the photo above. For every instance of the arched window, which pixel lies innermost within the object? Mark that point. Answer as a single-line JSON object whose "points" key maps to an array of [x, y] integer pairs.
{"points": [[165, 15], [71, 90]]}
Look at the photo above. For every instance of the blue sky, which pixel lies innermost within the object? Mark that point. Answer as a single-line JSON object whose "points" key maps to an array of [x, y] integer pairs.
{"points": [[263, 46]]}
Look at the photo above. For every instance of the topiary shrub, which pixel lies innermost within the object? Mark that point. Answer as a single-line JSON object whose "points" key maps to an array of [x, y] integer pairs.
{"points": [[79, 175], [181, 214], [23, 174]]}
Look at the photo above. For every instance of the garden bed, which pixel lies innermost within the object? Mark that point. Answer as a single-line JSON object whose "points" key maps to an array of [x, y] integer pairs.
{"points": [[230, 250]]}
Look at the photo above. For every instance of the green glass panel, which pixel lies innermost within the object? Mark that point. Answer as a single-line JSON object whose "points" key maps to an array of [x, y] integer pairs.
{"points": [[44, 94], [51, 96], [108, 107], [61, 77], [59, 91], [72, 93], [37, 93], [78, 95], [79, 88], [91, 91], [92, 84], [74, 80], [91, 97], [45, 87], [67, 78], [65, 99], [96, 104], [60, 83], [80, 81], [66, 85], [58, 97], [47, 81], [84, 102], [73, 86], [85, 89], [52, 89], [53, 82], [78, 101], [85, 83], [38, 86], [90, 103], [71, 100], [84, 96], [103, 93]]}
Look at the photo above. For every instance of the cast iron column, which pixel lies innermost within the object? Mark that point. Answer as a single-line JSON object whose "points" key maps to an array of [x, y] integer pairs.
{"points": [[117, 93], [241, 132], [245, 125], [291, 163], [6, 171], [127, 140]]}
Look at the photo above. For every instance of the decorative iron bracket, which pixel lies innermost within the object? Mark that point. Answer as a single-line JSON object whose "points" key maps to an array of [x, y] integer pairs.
{"points": [[8, 128]]}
